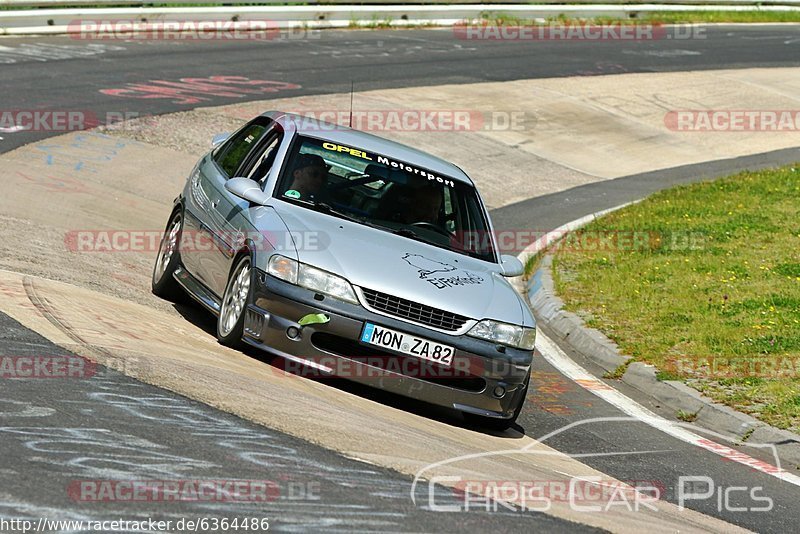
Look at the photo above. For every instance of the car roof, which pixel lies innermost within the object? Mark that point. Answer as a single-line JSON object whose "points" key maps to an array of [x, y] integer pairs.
{"points": [[343, 135]]}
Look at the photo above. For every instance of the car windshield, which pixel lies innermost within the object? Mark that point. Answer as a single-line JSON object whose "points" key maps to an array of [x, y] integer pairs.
{"points": [[387, 194]]}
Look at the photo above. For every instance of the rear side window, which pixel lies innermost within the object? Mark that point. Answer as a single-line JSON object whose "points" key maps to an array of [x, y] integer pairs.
{"points": [[235, 150], [263, 158]]}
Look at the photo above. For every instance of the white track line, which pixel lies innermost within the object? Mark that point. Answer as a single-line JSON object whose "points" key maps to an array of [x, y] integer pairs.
{"points": [[554, 235], [564, 364]]}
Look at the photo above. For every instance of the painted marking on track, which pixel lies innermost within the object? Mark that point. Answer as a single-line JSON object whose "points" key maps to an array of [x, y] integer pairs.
{"points": [[593, 385], [559, 359], [551, 389], [194, 90], [43, 52], [662, 53]]}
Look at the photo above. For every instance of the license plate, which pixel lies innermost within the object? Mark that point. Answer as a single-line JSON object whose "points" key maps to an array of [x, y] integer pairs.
{"points": [[407, 344]]}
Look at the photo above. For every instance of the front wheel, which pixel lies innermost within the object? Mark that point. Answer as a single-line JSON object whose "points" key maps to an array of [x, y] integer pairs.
{"points": [[230, 325], [168, 259]]}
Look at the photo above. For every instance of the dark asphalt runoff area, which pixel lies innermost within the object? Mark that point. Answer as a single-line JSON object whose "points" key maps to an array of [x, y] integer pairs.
{"points": [[57, 434], [111, 426]]}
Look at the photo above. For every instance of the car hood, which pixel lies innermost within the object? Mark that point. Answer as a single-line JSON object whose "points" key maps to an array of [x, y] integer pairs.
{"points": [[400, 266]]}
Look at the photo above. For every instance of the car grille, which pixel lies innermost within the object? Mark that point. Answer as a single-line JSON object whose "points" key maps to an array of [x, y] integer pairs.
{"points": [[253, 323], [413, 311]]}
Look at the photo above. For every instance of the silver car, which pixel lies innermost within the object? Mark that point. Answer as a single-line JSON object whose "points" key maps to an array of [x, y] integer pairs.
{"points": [[353, 256]]}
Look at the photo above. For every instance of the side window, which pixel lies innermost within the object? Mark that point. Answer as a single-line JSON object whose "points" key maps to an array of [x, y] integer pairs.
{"points": [[235, 150], [260, 166], [449, 211]]}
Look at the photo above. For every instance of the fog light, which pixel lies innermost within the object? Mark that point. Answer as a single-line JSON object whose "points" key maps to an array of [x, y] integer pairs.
{"points": [[293, 332], [499, 391]]}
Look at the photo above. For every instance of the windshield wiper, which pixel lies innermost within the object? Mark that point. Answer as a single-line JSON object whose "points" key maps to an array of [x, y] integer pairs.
{"points": [[359, 179], [407, 232], [330, 210], [326, 208]]}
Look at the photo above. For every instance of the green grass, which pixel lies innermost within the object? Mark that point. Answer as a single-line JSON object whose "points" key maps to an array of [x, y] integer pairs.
{"points": [[498, 17], [531, 265], [619, 372], [683, 17], [686, 417], [676, 17], [376, 23], [702, 281]]}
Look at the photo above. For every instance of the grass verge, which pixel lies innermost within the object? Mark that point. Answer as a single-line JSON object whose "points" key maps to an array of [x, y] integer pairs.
{"points": [[702, 281], [501, 18], [675, 17], [685, 17]]}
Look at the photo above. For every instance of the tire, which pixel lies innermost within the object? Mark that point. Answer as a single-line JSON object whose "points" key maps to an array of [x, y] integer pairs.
{"points": [[168, 260], [500, 425], [230, 323]]}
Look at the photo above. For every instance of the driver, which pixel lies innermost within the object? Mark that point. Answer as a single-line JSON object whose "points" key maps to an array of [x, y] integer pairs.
{"points": [[309, 177], [424, 205]]}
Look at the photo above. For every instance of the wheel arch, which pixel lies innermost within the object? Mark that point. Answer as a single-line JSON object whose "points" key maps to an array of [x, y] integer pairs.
{"points": [[247, 249], [177, 205]]}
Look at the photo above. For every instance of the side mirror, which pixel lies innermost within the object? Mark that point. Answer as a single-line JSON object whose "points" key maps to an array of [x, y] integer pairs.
{"points": [[219, 139], [248, 190], [510, 266]]}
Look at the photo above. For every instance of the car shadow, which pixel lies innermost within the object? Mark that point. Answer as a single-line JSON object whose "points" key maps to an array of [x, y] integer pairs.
{"points": [[197, 315], [204, 320]]}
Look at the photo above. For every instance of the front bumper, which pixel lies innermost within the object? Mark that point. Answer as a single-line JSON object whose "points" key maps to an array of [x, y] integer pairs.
{"points": [[484, 378]]}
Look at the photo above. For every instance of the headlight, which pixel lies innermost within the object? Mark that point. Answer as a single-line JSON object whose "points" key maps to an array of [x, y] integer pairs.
{"points": [[505, 334], [283, 268], [327, 283], [311, 278]]}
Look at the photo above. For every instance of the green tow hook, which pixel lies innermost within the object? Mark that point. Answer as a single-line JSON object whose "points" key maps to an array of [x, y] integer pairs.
{"points": [[313, 318]]}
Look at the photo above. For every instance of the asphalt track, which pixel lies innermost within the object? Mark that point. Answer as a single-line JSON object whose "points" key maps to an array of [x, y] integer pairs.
{"points": [[59, 73], [42, 451], [57, 432]]}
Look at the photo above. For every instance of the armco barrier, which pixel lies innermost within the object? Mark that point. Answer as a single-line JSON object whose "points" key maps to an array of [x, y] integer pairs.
{"points": [[39, 21]]}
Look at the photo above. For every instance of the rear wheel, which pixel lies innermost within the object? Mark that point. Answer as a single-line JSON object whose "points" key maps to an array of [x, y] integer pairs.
{"points": [[169, 259], [230, 324], [500, 425]]}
